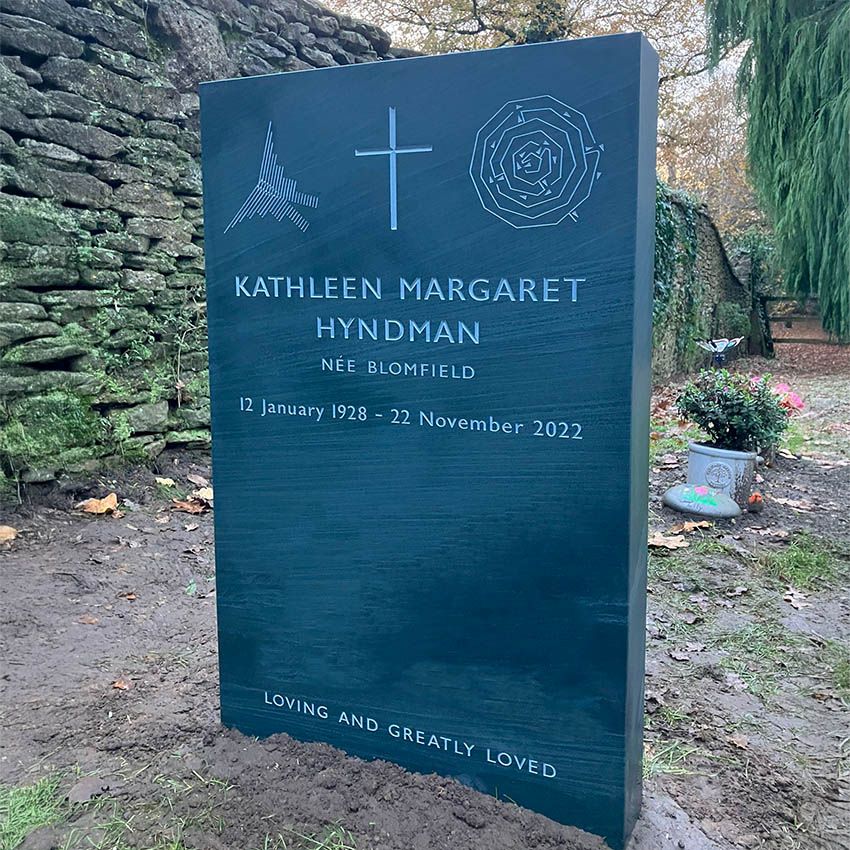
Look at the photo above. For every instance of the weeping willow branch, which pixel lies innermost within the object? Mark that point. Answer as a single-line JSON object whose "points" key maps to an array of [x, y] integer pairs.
{"points": [[795, 77]]}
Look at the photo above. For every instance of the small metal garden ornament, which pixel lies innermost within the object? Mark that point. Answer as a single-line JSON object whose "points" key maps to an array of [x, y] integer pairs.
{"points": [[718, 349]]}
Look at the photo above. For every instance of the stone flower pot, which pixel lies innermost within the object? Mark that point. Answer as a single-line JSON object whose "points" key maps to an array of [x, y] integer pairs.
{"points": [[726, 470]]}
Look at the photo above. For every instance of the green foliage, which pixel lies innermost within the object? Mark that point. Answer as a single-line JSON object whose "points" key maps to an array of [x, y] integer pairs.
{"points": [[732, 320], [547, 22], [795, 76], [677, 297], [26, 808], [736, 411], [760, 247]]}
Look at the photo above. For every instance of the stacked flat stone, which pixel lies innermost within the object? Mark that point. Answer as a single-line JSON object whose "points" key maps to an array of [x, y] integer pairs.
{"points": [[101, 259]]}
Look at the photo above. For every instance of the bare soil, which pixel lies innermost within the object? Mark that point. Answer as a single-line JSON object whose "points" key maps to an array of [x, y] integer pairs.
{"points": [[109, 678]]}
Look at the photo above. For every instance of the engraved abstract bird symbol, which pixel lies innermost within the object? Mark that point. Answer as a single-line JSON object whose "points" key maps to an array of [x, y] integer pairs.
{"points": [[274, 193]]}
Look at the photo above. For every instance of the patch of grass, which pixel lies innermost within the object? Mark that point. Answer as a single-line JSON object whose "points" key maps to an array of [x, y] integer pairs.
{"points": [[795, 439], [758, 653], [666, 716], [27, 807], [334, 837], [670, 758], [806, 563], [711, 546], [836, 657]]}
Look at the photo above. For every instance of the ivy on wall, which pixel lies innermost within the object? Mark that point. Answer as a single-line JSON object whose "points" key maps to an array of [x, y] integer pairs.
{"points": [[678, 296]]}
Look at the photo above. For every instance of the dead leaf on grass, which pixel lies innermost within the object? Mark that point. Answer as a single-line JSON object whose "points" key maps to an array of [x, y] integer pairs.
{"points": [[690, 618], [106, 505], [796, 599], [786, 454], [88, 620], [678, 656], [197, 480], [165, 482], [7, 533], [662, 541], [738, 590], [695, 647], [162, 519], [742, 742], [190, 506], [822, 696], [128, 595], [688, 526], [205, 494], [192, 526], [122, 683]]}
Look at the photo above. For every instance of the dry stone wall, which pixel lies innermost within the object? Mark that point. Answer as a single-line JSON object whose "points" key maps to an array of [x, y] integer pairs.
{"points": [[102, 314], [102, 324], [698, 293]]}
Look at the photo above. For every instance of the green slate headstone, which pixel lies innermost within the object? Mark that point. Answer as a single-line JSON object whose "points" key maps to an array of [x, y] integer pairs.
{"points": [[429, 287]]}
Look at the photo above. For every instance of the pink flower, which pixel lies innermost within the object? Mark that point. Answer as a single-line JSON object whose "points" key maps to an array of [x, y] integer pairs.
{"points": [[788, 398]]}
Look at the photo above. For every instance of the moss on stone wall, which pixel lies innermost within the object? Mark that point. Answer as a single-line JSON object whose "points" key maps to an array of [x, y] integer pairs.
{"points": [[697, 293]]}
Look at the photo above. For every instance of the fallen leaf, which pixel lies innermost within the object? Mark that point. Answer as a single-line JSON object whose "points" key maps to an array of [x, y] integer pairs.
{"points": [[668, 461], [768, 532], [786, 454], [695, 647], [690, 618], [661, 541], [736, 682], [197, 480], [699, 599], [203, 493], [108, 504], [190, 506], [192, 526], [796, 599], [128, 595], [7, 533], [122, 683], [738, 590], [165, 482], [690, 525], [678, 656], [162, 519], [88, 620], [131, 544], [742, 742], [795, 504]]}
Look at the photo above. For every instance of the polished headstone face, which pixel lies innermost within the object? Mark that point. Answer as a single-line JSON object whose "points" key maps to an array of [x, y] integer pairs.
{"points": [[429, 286]]}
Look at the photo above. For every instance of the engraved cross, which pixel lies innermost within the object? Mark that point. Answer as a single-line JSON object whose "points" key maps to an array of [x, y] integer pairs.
{"points": [[392, 151]]}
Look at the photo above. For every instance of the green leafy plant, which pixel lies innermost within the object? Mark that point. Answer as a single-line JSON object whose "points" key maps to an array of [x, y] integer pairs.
{"points": [[732, 320], [738, 412]]}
